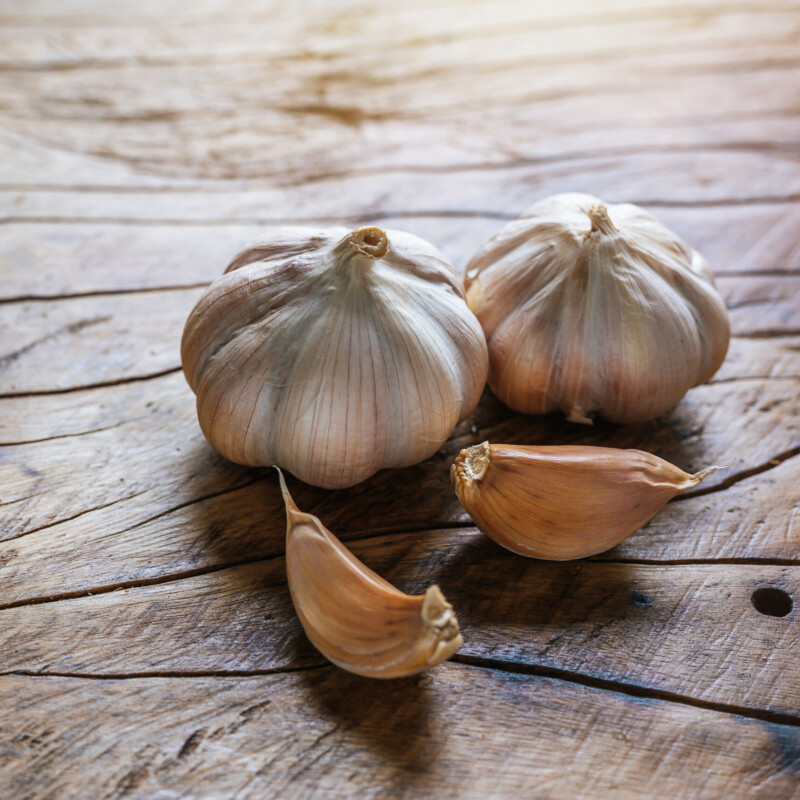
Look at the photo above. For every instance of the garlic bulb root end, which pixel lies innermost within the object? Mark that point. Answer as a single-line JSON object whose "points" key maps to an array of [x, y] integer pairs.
{"points": [[371, 241]]}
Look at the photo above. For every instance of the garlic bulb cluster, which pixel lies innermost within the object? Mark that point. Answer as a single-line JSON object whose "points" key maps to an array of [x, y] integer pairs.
{"points": [[563, 502], [355, 618], [594, 309], [334, 354]]}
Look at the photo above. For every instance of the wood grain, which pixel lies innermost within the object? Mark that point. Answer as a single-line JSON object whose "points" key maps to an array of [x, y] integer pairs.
{"points": [[697, 634], [114, 257], [147, 641], [327, 734]]}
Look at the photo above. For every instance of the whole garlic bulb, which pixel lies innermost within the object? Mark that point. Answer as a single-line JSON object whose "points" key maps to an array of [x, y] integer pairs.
{"points": [[334, 353], [590, 308]]}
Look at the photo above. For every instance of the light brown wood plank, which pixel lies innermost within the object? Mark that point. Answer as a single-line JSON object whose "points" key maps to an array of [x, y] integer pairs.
{"points": [[147, 538], [575, 616], [755, 304], [122, 476], [644, 179], [114, 257], [88, 12], [87, 341], [327, 734], [300, 36], [768, 357], [99, 340], [241, 144], [84, 411], [757, 518]]}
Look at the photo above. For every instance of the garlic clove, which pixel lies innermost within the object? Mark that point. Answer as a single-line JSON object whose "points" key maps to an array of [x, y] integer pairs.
{"points": [[563, 502], [355, 618], [595, 309]]}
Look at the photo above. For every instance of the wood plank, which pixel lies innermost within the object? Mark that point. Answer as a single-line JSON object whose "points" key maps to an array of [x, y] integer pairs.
{"points": [[113, 257], [757, 518], [298, 35], [91, 340], [649, 180], [579, 617], [113, 481], [768, 357], [237, 147], [85, 411], [97, 340], [327, 734], [755, 304], [149, 539], [95, 12]]}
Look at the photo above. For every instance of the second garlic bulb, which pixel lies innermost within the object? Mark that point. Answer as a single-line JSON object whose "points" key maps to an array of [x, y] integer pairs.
{"points": [[334, 354], [594, 309]]}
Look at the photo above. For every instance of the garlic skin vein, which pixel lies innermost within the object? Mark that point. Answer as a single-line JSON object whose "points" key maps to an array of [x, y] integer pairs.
{"points": [[355, 618], [334, 353], [595, 309], [564, 502]]}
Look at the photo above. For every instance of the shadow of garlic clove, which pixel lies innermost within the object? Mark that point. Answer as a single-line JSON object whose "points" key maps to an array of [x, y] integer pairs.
{"points": [[355, 618], [564, 502]]}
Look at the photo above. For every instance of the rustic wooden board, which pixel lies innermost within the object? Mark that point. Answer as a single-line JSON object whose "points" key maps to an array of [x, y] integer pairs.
{"points": [[574, 617], [143, 603], [115, 257], [324, 733]]}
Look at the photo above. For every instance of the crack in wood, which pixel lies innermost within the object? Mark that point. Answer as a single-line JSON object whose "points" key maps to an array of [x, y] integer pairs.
{"points": [[630, 689], [49, 298], [188, 674], [635, 690], [88, 386], [65, 436], [737, 477], [421, 213]]}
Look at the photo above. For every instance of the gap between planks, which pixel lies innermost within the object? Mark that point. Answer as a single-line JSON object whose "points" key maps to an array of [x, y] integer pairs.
{"points": [[176, 577], [470, 662], [775, 333], [51, 298], [428, 213], [732, 480]]}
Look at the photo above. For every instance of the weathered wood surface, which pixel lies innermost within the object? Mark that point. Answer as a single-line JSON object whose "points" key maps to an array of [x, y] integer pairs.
{"points": [[142, 591], [301, 735]]}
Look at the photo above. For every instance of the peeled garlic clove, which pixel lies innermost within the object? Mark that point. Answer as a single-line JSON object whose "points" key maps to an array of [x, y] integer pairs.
{"points": [[563, 502], [355, 618], [595, 309], [334, 353]]}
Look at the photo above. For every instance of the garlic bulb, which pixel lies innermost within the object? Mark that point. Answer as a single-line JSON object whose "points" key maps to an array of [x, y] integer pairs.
{"points": [[354, 617], [334, 354], [563, 502], [591, 309]]}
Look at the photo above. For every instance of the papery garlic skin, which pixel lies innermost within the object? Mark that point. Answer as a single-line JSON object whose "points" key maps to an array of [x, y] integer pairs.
{"points": [[355, 618], [563, 502], [594, 309], [334, 354]]}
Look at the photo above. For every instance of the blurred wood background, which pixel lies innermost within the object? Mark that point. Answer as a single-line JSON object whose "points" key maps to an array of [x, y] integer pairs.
{"points": [[148, 647]]}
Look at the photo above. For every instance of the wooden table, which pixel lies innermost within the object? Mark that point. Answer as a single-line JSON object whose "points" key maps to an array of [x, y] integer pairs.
{"points": [[149, 648]]}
